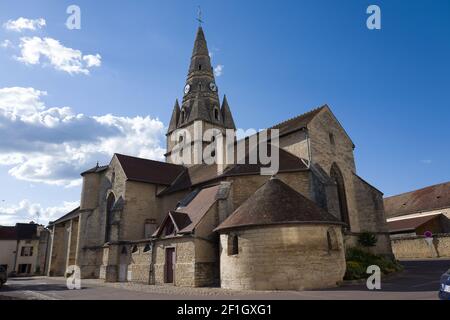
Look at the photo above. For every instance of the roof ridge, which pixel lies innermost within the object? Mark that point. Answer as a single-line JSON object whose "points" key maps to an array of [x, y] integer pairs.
{"points": [[139, 158], [300, 115]]}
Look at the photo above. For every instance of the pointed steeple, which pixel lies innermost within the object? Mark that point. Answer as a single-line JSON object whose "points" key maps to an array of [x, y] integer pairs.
{"points": [[201, 99], [175, 117], [227, 117]]}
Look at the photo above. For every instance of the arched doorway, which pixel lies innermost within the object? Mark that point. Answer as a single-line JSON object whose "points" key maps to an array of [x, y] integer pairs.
{"points": [[109, 215], [337, 177]]}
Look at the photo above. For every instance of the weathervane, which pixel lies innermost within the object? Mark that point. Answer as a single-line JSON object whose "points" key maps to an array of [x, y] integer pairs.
{"points": [[199, 19]]}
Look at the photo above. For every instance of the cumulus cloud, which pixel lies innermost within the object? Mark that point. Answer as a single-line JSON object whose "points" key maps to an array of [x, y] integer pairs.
{"points": [[24, 24], [25, 211], [49, 51], [6, 44], [218, 71], [54, 145]]}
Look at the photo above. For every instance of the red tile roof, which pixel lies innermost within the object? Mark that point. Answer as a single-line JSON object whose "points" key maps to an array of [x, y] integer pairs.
{"points": [[149, 171], [410, 224], [8, 233]]}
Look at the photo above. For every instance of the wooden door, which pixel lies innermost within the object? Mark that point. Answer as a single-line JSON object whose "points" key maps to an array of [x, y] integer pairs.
{"points": [[170, 262]]}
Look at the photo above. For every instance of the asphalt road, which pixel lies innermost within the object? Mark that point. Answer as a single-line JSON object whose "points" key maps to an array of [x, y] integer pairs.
{"points": [[419, 281]]}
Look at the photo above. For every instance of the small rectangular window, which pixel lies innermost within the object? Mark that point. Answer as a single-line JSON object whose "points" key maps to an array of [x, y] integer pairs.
{"points": [[26, 252], [332, 142], [233, 245]]}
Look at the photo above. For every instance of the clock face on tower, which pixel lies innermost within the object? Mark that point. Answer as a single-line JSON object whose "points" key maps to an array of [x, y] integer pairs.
{"points": [[213, 87], [187, 89]]}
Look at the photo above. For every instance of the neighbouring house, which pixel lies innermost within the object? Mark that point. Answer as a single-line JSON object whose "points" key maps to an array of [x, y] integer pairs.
{"points": [[416, 212], [24, 249], [412, 215]]}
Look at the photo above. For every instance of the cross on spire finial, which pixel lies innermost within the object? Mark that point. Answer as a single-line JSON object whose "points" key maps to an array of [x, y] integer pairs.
{"points": [[199, 17]]}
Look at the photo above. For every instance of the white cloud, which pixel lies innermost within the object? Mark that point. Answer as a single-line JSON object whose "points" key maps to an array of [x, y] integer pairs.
{"points": [[24, 24], [93, 61], [218, 71], [36, 50], [54, 145], [25, 211], [6, 44]]}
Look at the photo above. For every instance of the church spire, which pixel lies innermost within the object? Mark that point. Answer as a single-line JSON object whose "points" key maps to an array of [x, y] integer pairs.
{"points": [[175, 117], [228, 121], [201, 99]]}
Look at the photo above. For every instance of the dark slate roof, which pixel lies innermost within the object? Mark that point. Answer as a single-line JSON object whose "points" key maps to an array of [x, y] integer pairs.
{"points": [[72, 214], [298, 122], [96, 169], [276, 203], [175, 117], [410, 224], [21, 231], [199, 174], [8, 233], [227, 116], [188, 215], [427, 199], [26, 230], [149, 171]]}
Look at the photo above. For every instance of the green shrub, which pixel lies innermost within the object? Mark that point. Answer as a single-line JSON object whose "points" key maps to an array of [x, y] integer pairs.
{"points": [[358, 260], [355, 270], [367, 239]]}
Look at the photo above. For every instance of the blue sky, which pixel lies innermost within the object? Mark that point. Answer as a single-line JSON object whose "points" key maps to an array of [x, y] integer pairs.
{"points": [[389, 87]]}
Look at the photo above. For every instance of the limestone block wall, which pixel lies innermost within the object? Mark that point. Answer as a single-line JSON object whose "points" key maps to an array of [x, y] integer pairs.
{"points": [[140, 263], [59, 250], [184, 274], [417, 247], [140, 206], [296, 143], [244, 186], [288, 257]]}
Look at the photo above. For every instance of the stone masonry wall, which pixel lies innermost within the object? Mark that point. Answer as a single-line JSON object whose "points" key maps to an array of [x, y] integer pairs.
{"points": [[290, 257], [418, 248], [184, 272]]}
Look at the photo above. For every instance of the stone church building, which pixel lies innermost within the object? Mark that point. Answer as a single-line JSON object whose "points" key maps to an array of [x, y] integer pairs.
{"points": [[223, 225]]}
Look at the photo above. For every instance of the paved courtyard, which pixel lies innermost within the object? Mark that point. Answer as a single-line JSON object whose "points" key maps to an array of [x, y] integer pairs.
{"points": [[419, 280]]}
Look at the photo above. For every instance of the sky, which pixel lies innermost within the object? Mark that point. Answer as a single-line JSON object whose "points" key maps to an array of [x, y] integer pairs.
{"points": [[72, 97]]}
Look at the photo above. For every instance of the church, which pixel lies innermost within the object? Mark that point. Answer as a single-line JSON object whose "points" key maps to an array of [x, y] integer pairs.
{"points": [[223, 224]]}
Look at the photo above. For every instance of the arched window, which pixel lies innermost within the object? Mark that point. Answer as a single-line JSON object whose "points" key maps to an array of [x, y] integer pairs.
{"points": [[233, 245], [199, 67], [337, 177], [147, 248], [135, 249], [216, 113], [113, 177], [109, 215]]}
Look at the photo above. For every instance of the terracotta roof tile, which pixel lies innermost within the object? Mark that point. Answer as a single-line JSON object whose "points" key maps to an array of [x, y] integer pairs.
{"points": [[8, 233], [427, 199], [410, 224]]}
